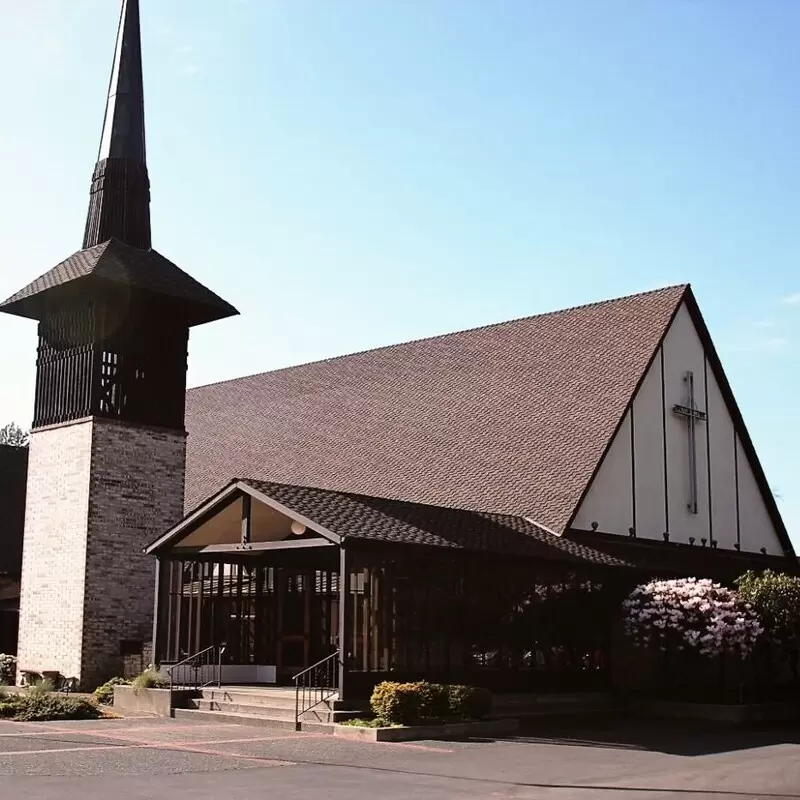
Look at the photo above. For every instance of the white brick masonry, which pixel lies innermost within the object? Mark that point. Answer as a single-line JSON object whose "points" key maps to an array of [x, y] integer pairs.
{"points": [[54, 549], [98, 492]]}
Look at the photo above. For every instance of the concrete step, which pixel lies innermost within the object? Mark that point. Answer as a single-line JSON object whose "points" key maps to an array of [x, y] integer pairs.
{"points": [[257, 697], [321, 714], [254, 720]]}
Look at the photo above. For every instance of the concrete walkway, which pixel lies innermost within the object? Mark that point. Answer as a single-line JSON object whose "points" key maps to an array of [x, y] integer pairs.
{"points": [[144, 758]]}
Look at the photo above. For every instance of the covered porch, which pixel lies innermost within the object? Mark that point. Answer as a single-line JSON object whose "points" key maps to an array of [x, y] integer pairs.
{"points": [[285, 576]]}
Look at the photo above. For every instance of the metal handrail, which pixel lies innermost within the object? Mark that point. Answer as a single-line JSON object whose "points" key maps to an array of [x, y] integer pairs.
{"points": [[309, 688], [197, 661]]}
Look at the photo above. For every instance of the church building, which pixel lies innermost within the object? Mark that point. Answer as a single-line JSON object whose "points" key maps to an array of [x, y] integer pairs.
{"points": [[470, 507]]}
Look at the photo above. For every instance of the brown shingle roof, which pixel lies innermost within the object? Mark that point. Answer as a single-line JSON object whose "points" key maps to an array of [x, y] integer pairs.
{"points": [[511, 418], [122, 264], [394, 521]]}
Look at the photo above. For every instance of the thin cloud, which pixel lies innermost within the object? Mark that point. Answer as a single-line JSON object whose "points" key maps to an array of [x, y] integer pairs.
{"points": [[762, 338], [792, 299]]}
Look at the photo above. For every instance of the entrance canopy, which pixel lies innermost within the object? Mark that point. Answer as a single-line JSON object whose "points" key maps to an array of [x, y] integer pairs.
{"points": [[252, 516], [240, 519]]}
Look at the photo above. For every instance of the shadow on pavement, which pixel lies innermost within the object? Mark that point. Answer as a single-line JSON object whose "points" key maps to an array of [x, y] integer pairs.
{"points": [[664, 736]]}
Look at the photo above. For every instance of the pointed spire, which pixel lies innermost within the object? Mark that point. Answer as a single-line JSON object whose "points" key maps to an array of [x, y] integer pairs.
{"points": [[119, 206], [123, 131]]}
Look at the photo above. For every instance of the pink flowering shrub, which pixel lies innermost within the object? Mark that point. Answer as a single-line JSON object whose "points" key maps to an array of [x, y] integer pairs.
{"points": [[691, 613]]}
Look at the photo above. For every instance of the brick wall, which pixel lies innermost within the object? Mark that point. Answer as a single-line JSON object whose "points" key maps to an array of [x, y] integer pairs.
{"points": [[99, 491], [54, 550], [136, 494]]}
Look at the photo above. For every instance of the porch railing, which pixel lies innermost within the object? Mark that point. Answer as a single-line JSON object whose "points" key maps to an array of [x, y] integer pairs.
{"points": [[198, 670], [315, 685]]}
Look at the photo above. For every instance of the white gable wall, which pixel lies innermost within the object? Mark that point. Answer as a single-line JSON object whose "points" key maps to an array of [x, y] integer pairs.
{"points": [[644, 481]]}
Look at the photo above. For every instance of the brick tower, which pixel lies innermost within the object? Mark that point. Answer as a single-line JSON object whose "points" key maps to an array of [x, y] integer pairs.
{"points": [[107, 450]]}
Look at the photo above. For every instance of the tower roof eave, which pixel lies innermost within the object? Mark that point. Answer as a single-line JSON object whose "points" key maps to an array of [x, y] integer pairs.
{"points": [[117, 263]]}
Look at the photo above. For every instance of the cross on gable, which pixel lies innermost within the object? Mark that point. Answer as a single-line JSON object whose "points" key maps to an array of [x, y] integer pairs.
{"points": [[686, 411], [692, 415]]}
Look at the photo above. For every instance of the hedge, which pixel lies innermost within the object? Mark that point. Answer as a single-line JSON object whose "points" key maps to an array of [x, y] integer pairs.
{"points": [[423, 702]]}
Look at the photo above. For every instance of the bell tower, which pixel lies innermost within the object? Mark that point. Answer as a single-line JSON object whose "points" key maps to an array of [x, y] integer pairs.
{"points": [[107, 450]]}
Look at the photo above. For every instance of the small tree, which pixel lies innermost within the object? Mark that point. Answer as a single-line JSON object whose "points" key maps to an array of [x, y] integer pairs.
{"points": [[776, 598], [13, 435]]}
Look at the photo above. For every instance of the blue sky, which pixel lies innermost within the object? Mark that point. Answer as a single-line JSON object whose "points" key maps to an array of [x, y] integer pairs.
{"points": [[353, 173]]}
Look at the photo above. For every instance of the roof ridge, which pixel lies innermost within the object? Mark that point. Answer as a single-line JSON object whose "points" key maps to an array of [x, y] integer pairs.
{"points": [[662, 290]]}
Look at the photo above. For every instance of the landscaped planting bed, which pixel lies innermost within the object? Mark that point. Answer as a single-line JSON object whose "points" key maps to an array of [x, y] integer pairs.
{"points": [[422, 710]]}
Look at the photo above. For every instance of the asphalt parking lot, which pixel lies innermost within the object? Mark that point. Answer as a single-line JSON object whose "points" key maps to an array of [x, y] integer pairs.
{"points": [[152, 758]]}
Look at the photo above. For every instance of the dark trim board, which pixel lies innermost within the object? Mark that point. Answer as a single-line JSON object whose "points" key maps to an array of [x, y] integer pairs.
{"points": [[664, 436], [738, 423], [633, 469], [689, 556], [628, 406], [736, 486], [708, 452]]}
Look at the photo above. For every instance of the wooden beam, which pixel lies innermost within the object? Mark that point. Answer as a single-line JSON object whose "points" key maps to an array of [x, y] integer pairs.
{"points": [[246, 518], [254, 547], [288, 512]]}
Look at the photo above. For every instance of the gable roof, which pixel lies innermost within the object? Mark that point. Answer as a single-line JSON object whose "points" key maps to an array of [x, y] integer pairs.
{"points": [[128, 266], [346, 516], [339, 517], [510, 418]]}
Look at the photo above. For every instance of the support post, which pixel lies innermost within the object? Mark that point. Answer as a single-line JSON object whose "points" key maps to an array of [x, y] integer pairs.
{"points": [[344, 591], [156, 612], [246, 503]]}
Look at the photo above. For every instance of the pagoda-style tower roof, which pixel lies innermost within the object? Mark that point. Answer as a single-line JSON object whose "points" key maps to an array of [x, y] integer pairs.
{"points": [[121, 267], [117, 255]]}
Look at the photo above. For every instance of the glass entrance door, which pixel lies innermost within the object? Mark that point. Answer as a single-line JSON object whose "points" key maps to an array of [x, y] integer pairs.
{"points": [[294, 622]]}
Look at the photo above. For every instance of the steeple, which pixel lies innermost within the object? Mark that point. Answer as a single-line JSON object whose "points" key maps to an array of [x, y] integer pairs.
{"points": [[114, 318], [119, 206]]}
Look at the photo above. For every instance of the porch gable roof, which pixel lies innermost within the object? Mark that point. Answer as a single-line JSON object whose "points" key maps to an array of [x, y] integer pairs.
{"points": [[339, 516]]}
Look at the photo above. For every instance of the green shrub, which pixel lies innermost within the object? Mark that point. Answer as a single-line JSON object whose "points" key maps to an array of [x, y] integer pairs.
{"points": [[9, 707], [38, 707], [422, 702], [775, 597], [105, 694], [149, 679], [396, 702], [469, 701], [8, 669], [434, 700]]}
